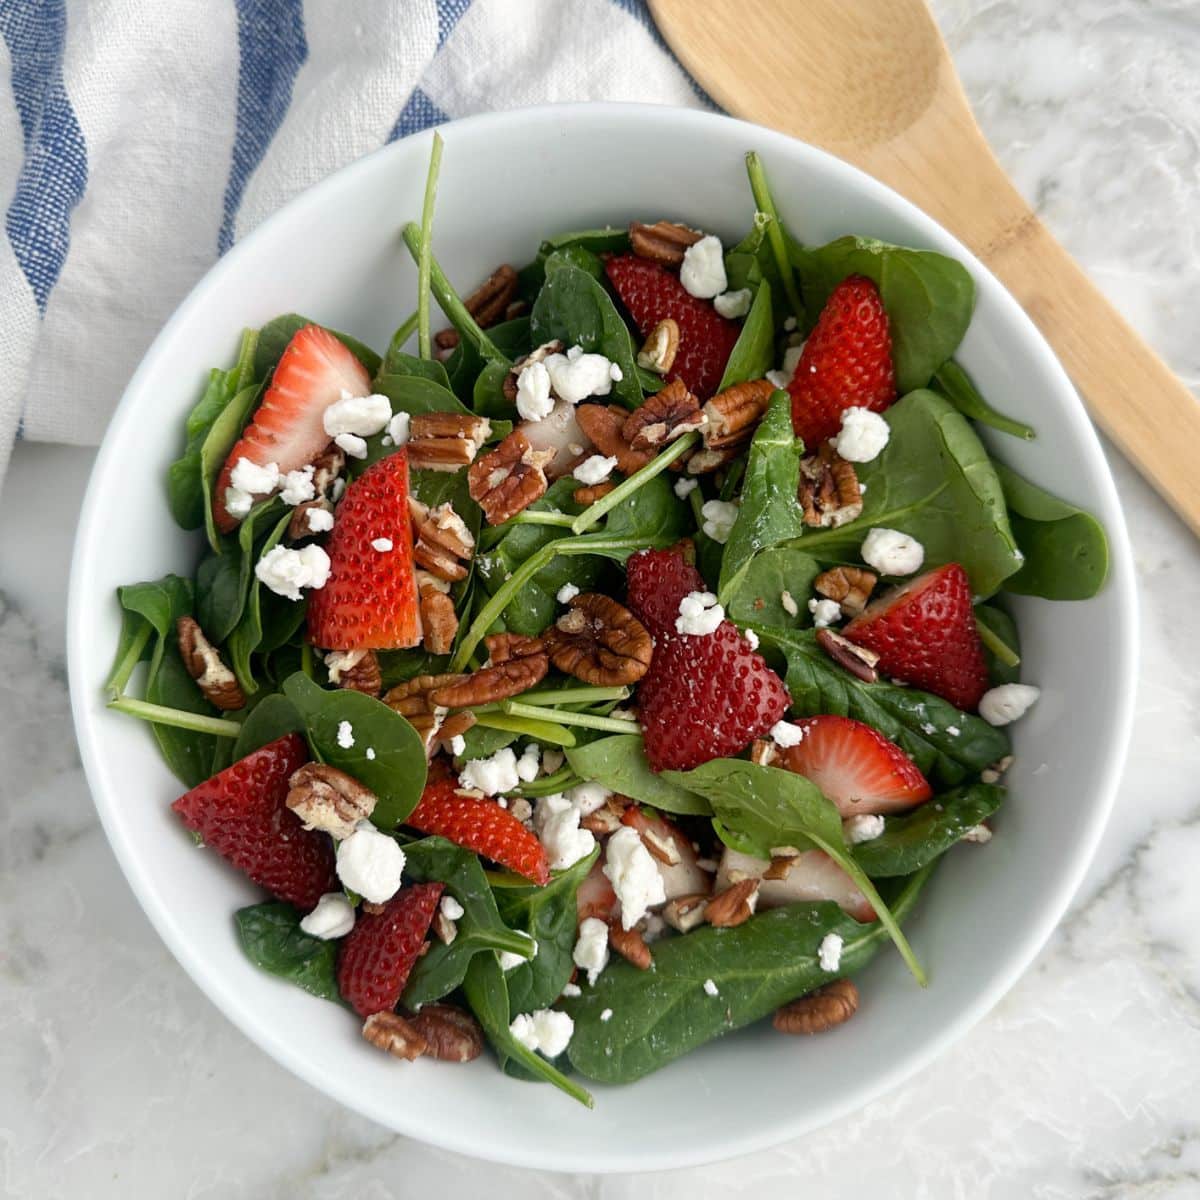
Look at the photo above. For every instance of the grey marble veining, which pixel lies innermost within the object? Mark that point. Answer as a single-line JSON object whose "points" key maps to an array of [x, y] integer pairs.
{"points": [[121, 1080]]}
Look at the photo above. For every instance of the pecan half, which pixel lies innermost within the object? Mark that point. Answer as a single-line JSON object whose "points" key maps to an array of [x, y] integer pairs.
{"points": [[663, 242], [734, 413], [442, 543], [831, 1005], [660, 347], [851, 587], [630, 945], [488, 304], [325, 798], [445, 441], [204, 665], [589, 495], [499, 682], [393, 1034], [686, 913], [412, 699], [438, 619], [664, 416], [509, 479], [734, 906], [502, 647], [603, 426], [829, 491], [858, 660], [537, 355], [450, 1033], [600, 642], [355, 671]]}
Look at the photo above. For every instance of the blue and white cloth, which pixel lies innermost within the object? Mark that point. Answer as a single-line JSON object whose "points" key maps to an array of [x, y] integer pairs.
{"points": [[139, 139]]}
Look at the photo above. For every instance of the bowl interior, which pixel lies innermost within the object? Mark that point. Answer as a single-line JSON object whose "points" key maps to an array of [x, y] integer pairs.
{"points": [[508, 180]]}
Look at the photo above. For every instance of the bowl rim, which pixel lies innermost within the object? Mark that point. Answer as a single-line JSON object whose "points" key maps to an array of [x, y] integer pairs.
{"points": [[908, 1061]]}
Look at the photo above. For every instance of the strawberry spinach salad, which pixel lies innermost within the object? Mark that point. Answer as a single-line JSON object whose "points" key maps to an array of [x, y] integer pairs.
{"points": [[611, 669]]}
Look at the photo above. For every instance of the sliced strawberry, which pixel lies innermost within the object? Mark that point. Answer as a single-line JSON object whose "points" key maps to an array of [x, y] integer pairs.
{"points": [[288, 426], [855, 766], [925, 635], [241, 813], [377, 955], [595, 897], [706, 697], [673, 853], [482, 826], [651, 293], [846, 362], [811, 876], [370, 601], [658, 580]]}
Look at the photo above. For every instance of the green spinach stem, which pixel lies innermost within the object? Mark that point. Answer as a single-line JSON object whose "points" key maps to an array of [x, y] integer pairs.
{"points": [[533, 517], [425, 251], [585, 720], [656, 466], [406, 330], [124, 669], [562, 779], [583, 695], [541, 729], [997, 645], [178, 718], [764, 203]]}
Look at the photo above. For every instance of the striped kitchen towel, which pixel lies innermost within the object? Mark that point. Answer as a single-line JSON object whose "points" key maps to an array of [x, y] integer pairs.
{"points": [[139, 139]]}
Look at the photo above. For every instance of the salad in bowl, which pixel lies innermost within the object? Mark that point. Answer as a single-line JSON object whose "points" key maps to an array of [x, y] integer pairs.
{"points": [[609, 670]]}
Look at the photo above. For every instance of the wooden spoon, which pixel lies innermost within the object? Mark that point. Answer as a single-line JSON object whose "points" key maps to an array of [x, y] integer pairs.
{"points": [[872, 82]]}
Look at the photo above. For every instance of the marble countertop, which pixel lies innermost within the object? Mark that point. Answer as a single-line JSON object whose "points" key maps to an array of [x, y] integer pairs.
{"points": [[121, 1080]]}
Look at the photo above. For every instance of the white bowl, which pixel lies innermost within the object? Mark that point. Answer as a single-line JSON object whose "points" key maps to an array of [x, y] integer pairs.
{"points": [[509, 179]]}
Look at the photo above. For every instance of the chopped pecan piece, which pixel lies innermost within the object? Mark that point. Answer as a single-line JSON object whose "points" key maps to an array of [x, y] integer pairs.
{"points": [[660, 347], [444, 929], [831, 1005], [858, 660], [438, 619], [412, 699], [685, 913], [450, 1033], [508, 479], [851, 587], [488, 304], [829, 491], [734, 905], [705, 461], [325, 798], [630, 945], [204, 665], [606, 818], [442, 543], [299, 526], [663, 242], [734, 413], [499, 682], [589, 495], [763, 753], [600, 642], [355, 671], [503, 647], [537, 355], [603, 425], [391, 1032], [664, 416], [444, 441]]}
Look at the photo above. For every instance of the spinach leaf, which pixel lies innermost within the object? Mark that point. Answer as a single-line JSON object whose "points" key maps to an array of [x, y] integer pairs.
{"points": [[487, 396], [187, 753], [442, 967], [575, 309], [398, 666], [929, 298], [247, 636], [769, 513], [915, 840], [487, 994], [757, 598], [955, 384], [271, 937], [218, 442], [482, 741], [397, 772], [753, 353], [160, 603], [1065, 549], [919, 722], [659, 1015], [934, 481], [652, 516], [548, 915], [274, 336], [398, 363], [594, 241], [998, 631], [271, 718], [750, 263], [619, 763], [282, 620]]}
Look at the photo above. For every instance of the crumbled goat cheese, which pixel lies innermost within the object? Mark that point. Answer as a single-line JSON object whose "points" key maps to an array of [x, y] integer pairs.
{"points": [[788, 603], [397, 429], [575, 376], [587, 797], [635, 877], [710, 988], [332, 918], [606, 1015], [719, 517], [351, 444], [685, 487], [733, 304], [595, 469], [566, 593], [298, 486], [980, 834], [791, 360], [785, 734], [571, 990], [534, 401], [382, 545], [237, 502], [345, 735], [458, 745], [556, 822], [338, 490], [863, 435], [824, 612], [450, 908], [319, 520], [699, 614], [829, 954], [528, 764], [615, 373], [591, 948], [1007, 703], [491, 775], [863, 827], [751, 638], [546, 1031], [510, 961], [338, 662], [370, 863], [363, 416], [778, 379], [285, 571], [370, 753], [258, 480], [891, 552], [702, 272]]}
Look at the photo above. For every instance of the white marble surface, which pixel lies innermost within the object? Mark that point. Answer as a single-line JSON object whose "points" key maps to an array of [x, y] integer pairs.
{"points": [[120, 1080]]}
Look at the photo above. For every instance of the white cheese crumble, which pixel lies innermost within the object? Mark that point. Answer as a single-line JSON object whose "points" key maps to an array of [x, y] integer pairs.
{"points": [[397, 428], [606, 1015], [285, 571], [345, 735], [238, 503], [779, 379], [491, 775], [370, 863], [587, 797], [710, 988], [719, 517], [980, 834], [824, 612], [556, 823], [528, 764], [863, 435], [362, 416], [891, 552], [571, 990], [591, 948], [685, 487], [534, 401], [509, 961], [450, 908], [370, 753], [702, 272], [248, 476], [788, 603], [351, 444], [595, 469], [699, 614], [784, 734], [635, 877], [733, 304], [298, 486], [458, 745], [575, 376], [829, 954], [864, 827], [1007, 703], [545, 1031], [751, 638], [332, 918], [566, 593], [791, 360], [381, 545]]}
